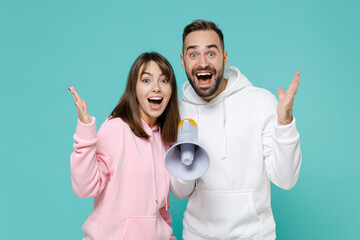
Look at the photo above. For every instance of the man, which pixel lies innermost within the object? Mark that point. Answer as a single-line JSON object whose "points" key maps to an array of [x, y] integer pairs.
{"points": [[250, 138]]}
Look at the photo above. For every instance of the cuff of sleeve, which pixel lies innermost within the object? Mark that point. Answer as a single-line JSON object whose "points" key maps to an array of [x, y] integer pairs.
{"points": [[185, 181], [86, 131], [181, 181], [286, 131]]}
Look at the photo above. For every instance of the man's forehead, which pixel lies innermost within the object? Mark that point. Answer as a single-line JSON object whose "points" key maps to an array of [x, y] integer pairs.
{"points": [[202, 39]]}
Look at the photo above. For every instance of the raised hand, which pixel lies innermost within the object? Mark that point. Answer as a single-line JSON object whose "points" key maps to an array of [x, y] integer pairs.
{"points": [[81, 107], [286, 101]]}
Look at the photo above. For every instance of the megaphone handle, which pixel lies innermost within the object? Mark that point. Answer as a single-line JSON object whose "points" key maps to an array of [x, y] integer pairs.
{"points": [[187, 153]]}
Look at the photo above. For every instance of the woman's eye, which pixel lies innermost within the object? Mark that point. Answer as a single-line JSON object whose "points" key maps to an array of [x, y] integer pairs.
{"points": [[211, 54], [145, 80], [164, 81]]}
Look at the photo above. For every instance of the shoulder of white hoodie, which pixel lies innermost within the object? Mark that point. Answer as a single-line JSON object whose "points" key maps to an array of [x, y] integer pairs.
{"points": [[236, 82]]}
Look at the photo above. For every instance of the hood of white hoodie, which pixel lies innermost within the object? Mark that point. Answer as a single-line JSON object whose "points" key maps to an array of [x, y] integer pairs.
{"points": [[236, 82]]}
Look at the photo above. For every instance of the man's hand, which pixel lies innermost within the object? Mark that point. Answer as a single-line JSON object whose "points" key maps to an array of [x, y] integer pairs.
{"points": [[81, 107], [286, 101]]}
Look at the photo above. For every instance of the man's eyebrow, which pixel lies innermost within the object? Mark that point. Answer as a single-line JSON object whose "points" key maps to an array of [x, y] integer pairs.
{"points": [[196, 46], [191, 47], [212, 46]]}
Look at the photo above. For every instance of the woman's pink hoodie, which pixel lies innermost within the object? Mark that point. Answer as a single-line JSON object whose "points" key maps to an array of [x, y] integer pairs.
{"points": [[126, 176]]}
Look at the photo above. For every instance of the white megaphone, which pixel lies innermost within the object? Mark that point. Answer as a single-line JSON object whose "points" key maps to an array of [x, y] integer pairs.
{"points": [[187, 160]]}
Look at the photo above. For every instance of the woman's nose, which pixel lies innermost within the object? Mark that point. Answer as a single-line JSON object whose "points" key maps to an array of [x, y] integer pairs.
{"points": [[156, 86]]}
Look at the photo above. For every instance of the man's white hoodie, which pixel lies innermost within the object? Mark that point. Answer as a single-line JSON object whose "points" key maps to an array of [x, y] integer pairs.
{"points": [[247, 148]]}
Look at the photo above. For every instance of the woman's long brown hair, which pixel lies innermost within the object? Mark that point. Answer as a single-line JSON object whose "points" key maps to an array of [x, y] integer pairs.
{"points": [[128, 106]]}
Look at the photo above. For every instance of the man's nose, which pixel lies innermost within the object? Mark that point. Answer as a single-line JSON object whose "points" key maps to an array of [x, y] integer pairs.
{"points": [[203, 61]]}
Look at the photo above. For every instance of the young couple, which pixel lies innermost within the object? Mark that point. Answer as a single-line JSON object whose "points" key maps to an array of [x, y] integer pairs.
{"points": [[250, 137]]}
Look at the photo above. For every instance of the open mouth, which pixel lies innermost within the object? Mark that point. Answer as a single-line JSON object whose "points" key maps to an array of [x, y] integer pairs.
{"points": [[204, 78], [155, 100]]}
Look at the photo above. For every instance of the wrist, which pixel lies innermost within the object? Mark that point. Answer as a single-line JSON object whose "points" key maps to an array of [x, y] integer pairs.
{"points": [[85, 120], [285, 121]]}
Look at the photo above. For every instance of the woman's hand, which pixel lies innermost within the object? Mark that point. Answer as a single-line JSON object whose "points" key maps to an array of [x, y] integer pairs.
{"points": [[81, 108]]}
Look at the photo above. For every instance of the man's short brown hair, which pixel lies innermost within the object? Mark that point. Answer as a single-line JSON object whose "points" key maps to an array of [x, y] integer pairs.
{"points": [[203, 25]]}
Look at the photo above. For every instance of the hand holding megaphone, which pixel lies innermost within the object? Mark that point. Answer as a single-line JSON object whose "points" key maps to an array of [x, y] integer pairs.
{"points": [[187, 160]]}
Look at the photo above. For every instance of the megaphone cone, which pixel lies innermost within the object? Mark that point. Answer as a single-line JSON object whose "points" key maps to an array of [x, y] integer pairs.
{"points": [[187, 160]]}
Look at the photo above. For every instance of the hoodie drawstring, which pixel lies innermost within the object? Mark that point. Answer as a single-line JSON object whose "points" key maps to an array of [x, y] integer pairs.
{"points": [[197, 113], [223, 157], [224, 153], [153, 174], [162, 150]]}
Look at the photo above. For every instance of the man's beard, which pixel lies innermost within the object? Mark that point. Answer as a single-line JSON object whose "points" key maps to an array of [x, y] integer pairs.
{"points": [[207, 92]]}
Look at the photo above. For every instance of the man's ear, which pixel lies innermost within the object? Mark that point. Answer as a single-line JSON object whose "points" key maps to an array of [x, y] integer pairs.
{"points": [[182, 60], [225, 58]]}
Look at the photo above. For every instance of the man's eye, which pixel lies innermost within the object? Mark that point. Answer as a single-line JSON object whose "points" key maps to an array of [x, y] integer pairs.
{"points": [[211, 54], [193, 55]]}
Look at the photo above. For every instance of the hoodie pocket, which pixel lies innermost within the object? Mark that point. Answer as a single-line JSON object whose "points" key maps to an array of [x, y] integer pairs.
{"points": [[222, 215], [145, 227]]}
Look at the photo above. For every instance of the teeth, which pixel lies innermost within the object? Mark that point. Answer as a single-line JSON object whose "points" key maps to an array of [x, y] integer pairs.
{"points": [[204, 74], [155, 98]]}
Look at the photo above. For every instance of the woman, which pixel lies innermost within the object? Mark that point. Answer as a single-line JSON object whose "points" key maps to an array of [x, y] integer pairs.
{"points": [[122, 166]]}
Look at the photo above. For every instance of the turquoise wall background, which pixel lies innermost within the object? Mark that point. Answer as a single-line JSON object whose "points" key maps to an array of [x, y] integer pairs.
{"points": [[46, 46]]}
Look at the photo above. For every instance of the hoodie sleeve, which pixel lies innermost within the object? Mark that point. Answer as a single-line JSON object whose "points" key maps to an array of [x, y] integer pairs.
{"points": [[281, 148], [181, 189], [92, 158]]}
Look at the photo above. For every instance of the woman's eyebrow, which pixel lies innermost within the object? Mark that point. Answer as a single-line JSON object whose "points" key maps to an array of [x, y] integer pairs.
{"points": [[151, 74], [147, 73]]}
